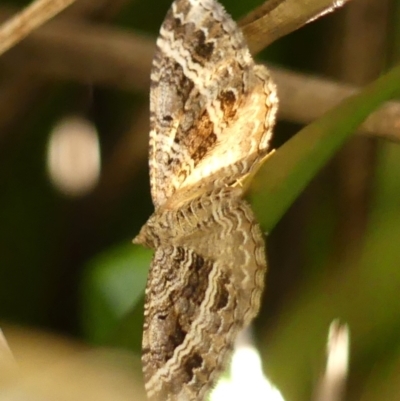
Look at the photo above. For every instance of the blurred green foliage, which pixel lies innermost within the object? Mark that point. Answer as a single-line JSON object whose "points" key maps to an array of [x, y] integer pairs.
{"points": [[114, 284]]}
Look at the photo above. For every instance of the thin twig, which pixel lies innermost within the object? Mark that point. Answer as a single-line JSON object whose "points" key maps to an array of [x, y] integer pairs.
{"points": [[27, 20], [277, 18]]}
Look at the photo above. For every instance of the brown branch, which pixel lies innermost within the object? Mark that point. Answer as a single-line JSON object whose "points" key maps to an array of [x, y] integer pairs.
{"points": [[29, 19], [277, 18]]}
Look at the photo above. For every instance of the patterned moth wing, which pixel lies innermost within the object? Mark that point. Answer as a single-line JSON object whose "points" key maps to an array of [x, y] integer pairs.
{"points": [[209, 103], [204, 285], [212, 114]]}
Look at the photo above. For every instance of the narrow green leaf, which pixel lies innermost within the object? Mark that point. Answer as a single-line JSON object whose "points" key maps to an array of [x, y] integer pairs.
{"points": [[113, 285], [286, 173]]}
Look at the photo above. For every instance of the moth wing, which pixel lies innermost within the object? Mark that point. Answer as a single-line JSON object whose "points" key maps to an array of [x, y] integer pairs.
{"points": [[198, 297], [208, 105]]}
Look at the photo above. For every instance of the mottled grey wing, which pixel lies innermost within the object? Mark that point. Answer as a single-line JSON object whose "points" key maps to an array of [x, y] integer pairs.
{"points": [[209, 105], [202, 289]]}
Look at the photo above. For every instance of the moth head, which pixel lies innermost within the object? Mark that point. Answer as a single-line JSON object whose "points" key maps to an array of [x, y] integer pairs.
{"points": [[147, 235]]}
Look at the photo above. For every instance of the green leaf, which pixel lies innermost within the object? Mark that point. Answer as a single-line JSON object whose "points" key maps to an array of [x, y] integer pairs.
{"points": [[113, 285], [287, 171]]}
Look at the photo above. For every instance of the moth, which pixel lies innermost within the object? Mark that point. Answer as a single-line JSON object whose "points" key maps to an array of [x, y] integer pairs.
{"points": [[212, 111]]}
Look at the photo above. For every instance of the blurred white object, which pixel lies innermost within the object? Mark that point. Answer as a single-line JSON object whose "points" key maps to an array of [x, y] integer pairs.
{"points": [[247, 381], [73, 156], [333, 382]]}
